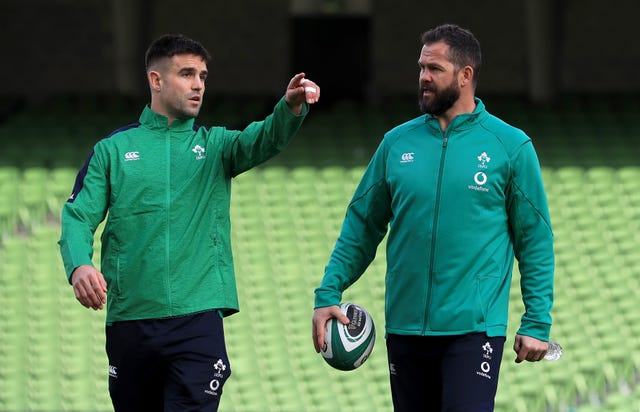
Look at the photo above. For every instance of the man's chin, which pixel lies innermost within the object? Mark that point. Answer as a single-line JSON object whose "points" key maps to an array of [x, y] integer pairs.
{"points": [[425, 107], [190, 113]]}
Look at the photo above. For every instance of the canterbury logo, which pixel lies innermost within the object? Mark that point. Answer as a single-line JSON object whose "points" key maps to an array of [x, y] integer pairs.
{"points": [[407, 157], [131, 156]]}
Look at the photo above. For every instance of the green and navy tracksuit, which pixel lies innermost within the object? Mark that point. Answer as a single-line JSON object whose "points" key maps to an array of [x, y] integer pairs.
{"points": [[166, 248], [458, 205]]}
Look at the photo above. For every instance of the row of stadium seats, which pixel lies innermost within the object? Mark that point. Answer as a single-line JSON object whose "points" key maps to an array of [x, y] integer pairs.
{"points": [[285, 221]]}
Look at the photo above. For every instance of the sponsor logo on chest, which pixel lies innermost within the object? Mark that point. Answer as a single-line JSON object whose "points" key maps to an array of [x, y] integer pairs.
{"points": [[480, 177]]}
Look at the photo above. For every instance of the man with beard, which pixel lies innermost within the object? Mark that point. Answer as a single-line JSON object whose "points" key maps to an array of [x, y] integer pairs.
{"points": [[460, 193]]}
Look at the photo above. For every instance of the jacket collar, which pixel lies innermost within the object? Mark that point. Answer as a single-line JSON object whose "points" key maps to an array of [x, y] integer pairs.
{"points": [[461, 121], [153, 120]]}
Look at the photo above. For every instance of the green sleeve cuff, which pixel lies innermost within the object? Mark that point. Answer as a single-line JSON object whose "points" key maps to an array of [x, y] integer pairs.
{"points": [[536, 330], [326, 297], [283, 104]]}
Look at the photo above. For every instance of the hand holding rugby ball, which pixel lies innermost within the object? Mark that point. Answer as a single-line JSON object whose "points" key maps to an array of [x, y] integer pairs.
{"points": [[347, 347]]}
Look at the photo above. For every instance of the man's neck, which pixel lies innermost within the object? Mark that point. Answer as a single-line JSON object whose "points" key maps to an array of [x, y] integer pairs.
{"points": [[461, 106]]}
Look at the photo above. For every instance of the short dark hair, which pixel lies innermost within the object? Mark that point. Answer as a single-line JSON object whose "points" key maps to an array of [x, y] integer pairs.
{"points": [[169, 45], [464, 48]]}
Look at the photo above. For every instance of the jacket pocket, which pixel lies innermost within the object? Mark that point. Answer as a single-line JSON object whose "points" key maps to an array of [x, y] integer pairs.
{"points": [[405, 301], [458, 304], [493, 299], [111, 269]]}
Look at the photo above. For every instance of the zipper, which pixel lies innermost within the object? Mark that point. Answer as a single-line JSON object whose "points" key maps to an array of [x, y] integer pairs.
{"points": [[168, 218], [434, 231]]}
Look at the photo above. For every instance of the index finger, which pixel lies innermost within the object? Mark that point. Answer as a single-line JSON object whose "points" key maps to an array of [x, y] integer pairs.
{"points": [[522, 354], [295, 80], [91, 290], [95, 295], [99, 287]]}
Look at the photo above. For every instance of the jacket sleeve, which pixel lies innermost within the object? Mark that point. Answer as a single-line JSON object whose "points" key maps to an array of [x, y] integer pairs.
{"points": [[364, 227], [261, 140], [533, 242], [82, 213]]}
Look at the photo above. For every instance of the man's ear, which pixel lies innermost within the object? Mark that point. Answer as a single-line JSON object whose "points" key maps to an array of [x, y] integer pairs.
{"points": [[465, 76], [155, 79]]}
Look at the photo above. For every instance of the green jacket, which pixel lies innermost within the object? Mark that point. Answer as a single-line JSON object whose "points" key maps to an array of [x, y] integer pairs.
{"points": [[166, 248], [458, 205]]}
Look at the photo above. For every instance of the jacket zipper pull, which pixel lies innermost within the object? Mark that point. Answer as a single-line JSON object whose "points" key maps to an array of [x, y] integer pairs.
{"points": [[444, 141]]}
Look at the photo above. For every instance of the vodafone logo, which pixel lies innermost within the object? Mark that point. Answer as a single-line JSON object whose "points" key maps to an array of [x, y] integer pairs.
{"points": [[214, 385], [480, 178], [485, 367]]}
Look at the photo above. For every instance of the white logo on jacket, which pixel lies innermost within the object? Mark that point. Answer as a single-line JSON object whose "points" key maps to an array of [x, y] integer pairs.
{"points": [[199, 151], [407, 157], [483, 159], [131, 156], [480, 178]]}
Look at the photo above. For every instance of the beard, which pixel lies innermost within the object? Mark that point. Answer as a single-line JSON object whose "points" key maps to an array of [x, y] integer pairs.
{"points": [[441, 101]]}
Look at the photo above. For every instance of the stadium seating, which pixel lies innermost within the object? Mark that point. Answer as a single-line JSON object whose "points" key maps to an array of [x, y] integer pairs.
{"points": [[286, 216]]}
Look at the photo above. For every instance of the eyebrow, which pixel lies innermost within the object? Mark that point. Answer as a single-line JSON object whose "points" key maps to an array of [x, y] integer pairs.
{"points": [[192, 70], [431, 64]]}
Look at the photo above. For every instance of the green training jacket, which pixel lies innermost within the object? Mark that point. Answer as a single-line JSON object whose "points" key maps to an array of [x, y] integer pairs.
{"points": [[458, 206], [166, 247]]}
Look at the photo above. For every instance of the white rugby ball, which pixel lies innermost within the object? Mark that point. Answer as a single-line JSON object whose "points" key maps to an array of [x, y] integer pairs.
{"points": [[348, 346]]}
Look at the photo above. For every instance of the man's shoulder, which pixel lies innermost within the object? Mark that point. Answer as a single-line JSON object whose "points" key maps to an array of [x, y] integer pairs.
{"points": [[406, 127], [507, 133], [120, 133]]}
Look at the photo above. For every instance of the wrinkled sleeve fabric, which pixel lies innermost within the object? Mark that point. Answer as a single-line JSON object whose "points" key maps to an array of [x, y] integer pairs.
{"points": [[533, 242], [365, 225], [261, 140], [83, 212]]}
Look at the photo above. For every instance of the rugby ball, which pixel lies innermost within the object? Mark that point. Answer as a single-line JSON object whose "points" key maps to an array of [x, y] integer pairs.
{"points": [[348, 346]]}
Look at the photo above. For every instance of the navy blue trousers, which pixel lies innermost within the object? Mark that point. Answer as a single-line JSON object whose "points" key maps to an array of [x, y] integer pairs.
{"points": [[444, 373], [176, 364]]}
